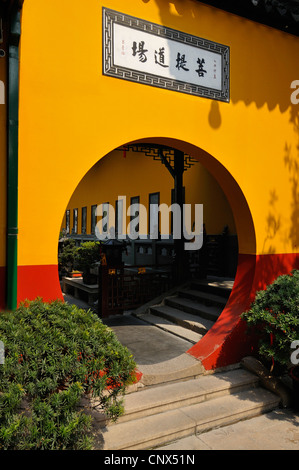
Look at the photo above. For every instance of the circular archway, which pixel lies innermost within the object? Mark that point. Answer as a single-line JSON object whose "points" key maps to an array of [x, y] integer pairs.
{"points": [[226, 342]]}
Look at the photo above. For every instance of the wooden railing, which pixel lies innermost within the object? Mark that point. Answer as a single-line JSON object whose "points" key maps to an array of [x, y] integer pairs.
{"points": [[127, 288]]}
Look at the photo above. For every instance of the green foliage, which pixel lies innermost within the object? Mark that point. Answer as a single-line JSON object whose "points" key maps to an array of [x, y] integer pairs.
{"points": [[274, 315], [81, 258], [88, 253], [67, 255], [54, 354]]}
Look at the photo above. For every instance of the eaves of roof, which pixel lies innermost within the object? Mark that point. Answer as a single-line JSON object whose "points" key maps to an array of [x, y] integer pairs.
{"points": [[278, 14]]}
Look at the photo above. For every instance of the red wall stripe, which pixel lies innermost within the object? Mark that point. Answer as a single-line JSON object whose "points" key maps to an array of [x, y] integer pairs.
{"points": [[38, 281]]}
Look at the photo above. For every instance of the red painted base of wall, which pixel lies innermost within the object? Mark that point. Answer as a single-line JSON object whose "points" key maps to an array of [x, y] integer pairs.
{"points": [[227, 342], [38, 281], [2, 287]]}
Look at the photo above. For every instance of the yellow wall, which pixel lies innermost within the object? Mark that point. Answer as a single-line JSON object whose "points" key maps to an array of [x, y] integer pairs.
{"points": [[114, 175], [71, 116], [202, 188], [137, 174]]}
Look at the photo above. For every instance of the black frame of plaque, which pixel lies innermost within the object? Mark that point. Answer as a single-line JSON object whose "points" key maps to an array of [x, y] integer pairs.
{"points": [[110, 69]]}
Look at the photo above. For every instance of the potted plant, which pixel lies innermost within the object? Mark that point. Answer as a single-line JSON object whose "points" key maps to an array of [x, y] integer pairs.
{"points": [[75, 274], [67, 256], [274, 315], [87, 255]]}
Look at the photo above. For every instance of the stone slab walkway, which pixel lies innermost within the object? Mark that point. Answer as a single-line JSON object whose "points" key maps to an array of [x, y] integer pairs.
{"points": [[277, 430]]}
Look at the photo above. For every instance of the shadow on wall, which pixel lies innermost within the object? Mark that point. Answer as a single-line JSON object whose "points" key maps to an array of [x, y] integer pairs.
{"points": [[283, 264], [253, 62], [275, 219], [268, 84], [269, 267], [263, 90], [291, 161]]}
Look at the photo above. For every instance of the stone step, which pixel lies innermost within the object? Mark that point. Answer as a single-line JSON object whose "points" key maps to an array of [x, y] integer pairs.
{"points": [[206, 298], [158, 429], [182, 318], [218, 287], [153, 400], [170, 327], [209, 312], [180, 368], [190, 313]]}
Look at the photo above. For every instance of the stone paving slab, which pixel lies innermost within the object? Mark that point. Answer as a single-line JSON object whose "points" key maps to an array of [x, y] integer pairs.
{"points": [[149, 344], [166, 325], [276, 430], [177, 368]]}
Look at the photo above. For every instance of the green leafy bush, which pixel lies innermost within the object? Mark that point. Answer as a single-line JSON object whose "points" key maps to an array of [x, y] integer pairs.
{"points": [[54, 354], [88, 253], [274, 315], [67, 255]]}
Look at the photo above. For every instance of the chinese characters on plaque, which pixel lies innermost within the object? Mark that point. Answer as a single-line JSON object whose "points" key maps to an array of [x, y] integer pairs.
{"points": [[181, 62], [144, 52]]}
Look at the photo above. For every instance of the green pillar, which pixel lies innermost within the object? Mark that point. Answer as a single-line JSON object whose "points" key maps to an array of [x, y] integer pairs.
{"points": [[12, 164]]}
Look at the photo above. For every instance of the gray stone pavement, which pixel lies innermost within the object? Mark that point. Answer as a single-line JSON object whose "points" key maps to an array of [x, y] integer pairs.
{"points": [[277, 430]]}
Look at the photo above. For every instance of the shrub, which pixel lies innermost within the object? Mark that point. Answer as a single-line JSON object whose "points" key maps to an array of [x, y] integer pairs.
{"points": [[54, 354], [88, 253], [67, 255], [275, 316]]}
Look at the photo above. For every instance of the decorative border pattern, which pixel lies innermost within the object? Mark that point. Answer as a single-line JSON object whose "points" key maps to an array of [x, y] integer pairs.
{"points": [[110, 69]]}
